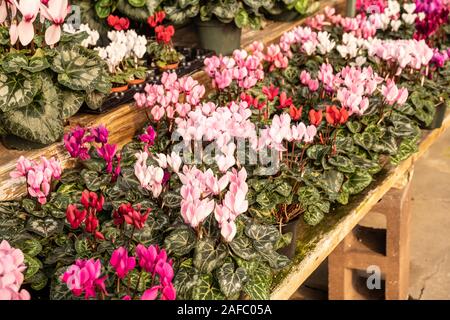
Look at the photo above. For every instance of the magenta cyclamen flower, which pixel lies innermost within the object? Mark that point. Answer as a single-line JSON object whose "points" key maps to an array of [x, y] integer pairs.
{"points": [[75, 143], [11, 277], [149, 257], [85, 276], [107, 152], [100, 134], [121, 262], [149, 136]]}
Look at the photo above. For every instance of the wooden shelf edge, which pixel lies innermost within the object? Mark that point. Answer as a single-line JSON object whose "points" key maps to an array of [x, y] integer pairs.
{"points": [[329, 241]]}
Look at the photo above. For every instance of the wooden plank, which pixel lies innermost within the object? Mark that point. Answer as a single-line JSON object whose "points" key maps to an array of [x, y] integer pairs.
{"points": [[124, 121], [316, 243]]}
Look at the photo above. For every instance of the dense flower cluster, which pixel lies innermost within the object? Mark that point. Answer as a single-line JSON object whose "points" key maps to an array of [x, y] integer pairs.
{"points": [[198, 203], [84, 276], [39, 176], [92, 204], [173, 97], [78, 143], [243, 68], [11, 273], [118, 23]]}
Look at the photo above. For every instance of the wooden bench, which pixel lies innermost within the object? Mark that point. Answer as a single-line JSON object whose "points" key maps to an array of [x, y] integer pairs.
{"points": [[315, 244]]}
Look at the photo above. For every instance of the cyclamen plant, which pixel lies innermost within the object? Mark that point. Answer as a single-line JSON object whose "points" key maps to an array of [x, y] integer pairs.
{"points": [[11, 273], [79, 144], [39, 176], [151, 263]]}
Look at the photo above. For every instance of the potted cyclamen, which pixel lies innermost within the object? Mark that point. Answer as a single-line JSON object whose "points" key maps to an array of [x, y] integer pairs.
{"points": [[124, 58], [161, 50]]}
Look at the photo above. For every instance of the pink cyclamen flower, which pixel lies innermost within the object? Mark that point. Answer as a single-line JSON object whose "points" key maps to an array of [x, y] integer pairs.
{"points": [[108, 152], [85, 276], [11, 273], [25, 30], [75, 143], [55, 11], [22, 167], [149, 136], [121, 262]]}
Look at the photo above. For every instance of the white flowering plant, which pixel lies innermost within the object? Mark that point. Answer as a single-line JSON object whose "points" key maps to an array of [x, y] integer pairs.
{"points": [[124, 55]]}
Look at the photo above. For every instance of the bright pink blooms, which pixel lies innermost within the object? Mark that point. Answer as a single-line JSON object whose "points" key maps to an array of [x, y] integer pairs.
{"points": [[11, 273], [85, 277], [108, 153], [100, 134], [76, 143], [155, 261], [173, 97], [121, 262], [242, 68], [39, 176]]}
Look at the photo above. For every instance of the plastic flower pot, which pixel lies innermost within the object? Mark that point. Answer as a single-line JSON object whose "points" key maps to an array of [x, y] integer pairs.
{"points": [[291, 226], [168, 67], [134, 82], [13, 142], [223, 38], [286, 16], [120, 88], [439, 116]]}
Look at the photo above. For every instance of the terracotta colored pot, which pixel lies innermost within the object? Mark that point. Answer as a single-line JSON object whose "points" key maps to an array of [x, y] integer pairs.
{"points": [[134, 82], [119, 89], [167, 67]]}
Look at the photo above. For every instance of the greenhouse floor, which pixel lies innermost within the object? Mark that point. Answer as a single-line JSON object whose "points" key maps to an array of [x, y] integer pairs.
{"points": [[430, 245]]}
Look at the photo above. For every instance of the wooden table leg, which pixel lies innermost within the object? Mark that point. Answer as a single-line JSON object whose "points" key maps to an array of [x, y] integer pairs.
{"points": [[352, 254]]}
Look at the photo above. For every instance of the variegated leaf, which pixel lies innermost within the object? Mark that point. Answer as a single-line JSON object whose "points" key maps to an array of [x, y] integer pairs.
{"points": [[180, 241], [357, 182], [205, 289], [77, 68], [243, 247], [231, 281], [17, 91], [207, 256], [44, 227], [263, 233]]}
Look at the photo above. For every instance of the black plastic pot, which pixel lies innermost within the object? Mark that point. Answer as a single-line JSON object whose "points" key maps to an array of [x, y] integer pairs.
{"points": [[13, 142], [439, 116], [192, 62], [222, 38], [291, 226], [286, 16]]}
